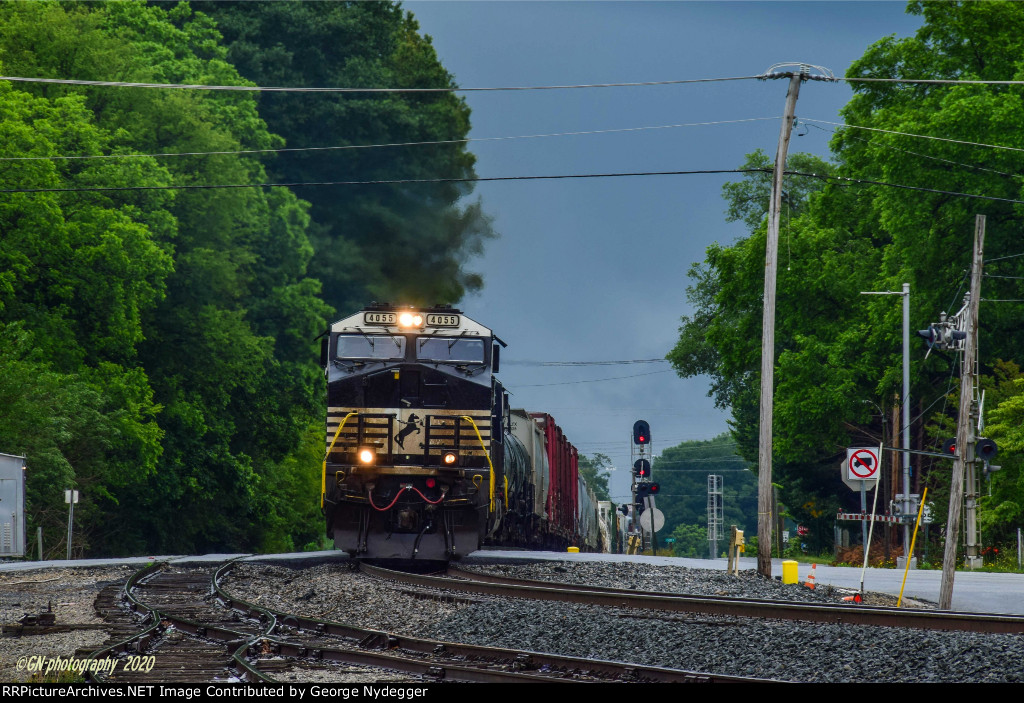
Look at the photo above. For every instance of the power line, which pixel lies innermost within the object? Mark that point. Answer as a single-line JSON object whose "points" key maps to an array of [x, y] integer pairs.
{"points": [[284, 150], [406, 181], [1000, 258], [592, 380], [910, 134], [865, 181], [928, 156], [454, 89], [394, 181], [281, 89], [927, 81], [587, 363]]}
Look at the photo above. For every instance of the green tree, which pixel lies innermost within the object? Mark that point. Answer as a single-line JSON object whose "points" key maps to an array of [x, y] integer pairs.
{"points": [[79, 273], [682, 473], [427, 234], [596, 471], [690, 541], [748, 199], [226, 340], [838, 352]]}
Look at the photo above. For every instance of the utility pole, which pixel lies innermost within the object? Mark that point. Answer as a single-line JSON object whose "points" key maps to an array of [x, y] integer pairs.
{"points": [[964, 446], [765, 508]]}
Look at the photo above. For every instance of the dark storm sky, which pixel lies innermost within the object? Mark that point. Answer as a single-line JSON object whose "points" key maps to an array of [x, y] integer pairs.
{"points": [[596, 269]]}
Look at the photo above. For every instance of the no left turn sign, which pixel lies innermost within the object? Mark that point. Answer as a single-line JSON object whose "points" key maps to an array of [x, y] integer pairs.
{"points": [[862, 463]]}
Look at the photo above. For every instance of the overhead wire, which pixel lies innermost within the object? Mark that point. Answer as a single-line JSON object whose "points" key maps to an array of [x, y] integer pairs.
{"points": [[407, 181], [456, 89], [1000, 258], [591, 380], [283, 89], [927, 81], [868, 181], [928, 156], [911, 134], [344, 147], [393, 181], [526, 362]]}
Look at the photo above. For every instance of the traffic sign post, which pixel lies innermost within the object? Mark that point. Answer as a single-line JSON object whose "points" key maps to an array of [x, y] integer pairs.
{"points": [[645, 518], [70, 497], [862, 466]]}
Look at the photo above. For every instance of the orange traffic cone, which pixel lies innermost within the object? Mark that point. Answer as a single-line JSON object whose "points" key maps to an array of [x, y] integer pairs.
{"points": [[853, 599], [810, 577]]}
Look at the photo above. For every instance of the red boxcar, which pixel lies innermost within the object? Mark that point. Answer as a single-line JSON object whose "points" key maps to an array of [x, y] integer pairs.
{"points": [[563, 467]]}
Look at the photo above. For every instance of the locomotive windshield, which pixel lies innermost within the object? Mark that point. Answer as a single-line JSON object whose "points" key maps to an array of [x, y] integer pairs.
{"points": [[370, 346], [450, 349]]}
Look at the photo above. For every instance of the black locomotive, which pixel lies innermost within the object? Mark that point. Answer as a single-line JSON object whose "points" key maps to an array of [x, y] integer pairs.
{"points": [[414, 466]]}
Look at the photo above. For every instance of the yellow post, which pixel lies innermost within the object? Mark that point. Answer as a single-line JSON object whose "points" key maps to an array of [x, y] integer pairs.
{"points": [[573, 550], [917, 524], [789, 571]]}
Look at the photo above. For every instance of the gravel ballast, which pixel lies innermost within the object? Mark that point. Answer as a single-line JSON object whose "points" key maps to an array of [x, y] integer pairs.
{"points": [[70, 593], [783, 650]]}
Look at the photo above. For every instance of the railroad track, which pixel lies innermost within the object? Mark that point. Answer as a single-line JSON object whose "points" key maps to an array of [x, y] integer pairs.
{"points": [[185, 636], [194, 630], [479, 583]]}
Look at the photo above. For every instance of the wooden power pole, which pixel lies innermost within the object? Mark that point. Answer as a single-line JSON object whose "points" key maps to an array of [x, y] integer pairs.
{"points": [[765, 508], [964, 443]]}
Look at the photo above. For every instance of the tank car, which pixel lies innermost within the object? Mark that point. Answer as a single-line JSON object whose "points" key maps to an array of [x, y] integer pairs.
{"points": [[424, 459]]}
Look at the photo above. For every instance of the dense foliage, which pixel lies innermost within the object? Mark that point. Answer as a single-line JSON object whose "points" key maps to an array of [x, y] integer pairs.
{"points": [[365, 44], [682, 475], [157, 345], [838, 353], [596, 471]]}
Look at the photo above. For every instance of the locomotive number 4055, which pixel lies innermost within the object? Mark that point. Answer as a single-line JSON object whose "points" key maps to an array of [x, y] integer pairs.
{"points": [[435, 320]]}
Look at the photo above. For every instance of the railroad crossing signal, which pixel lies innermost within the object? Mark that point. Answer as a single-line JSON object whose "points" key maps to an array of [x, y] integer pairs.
{"points": [[641, 432], [642, 491], [646, 489], [984, 449]]}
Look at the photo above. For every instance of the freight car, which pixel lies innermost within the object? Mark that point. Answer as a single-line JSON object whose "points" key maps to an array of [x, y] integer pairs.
{"points": [[424, 457]]}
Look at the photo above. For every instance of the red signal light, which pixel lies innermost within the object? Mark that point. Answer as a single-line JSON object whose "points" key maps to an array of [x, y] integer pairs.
{"points": [[641, 432], [431, 483]]}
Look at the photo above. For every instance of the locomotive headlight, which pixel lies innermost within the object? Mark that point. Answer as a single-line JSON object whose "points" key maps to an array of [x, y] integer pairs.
{"points": [[449, 458], [408, 319], [367, 455]]}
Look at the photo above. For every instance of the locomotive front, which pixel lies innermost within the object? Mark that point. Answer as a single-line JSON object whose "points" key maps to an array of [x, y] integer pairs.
{"points": [[413, 467]]}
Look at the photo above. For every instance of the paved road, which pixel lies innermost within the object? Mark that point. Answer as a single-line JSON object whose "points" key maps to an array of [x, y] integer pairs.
{"points": [[972, 591]]}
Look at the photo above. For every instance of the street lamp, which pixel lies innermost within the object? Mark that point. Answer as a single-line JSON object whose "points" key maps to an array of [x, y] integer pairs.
{"points": [[906, 406]]}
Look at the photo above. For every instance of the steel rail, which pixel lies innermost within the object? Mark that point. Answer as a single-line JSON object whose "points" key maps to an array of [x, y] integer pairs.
{"points": [[140, 640], [518, 660], [717, 605], [162, 617]]}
